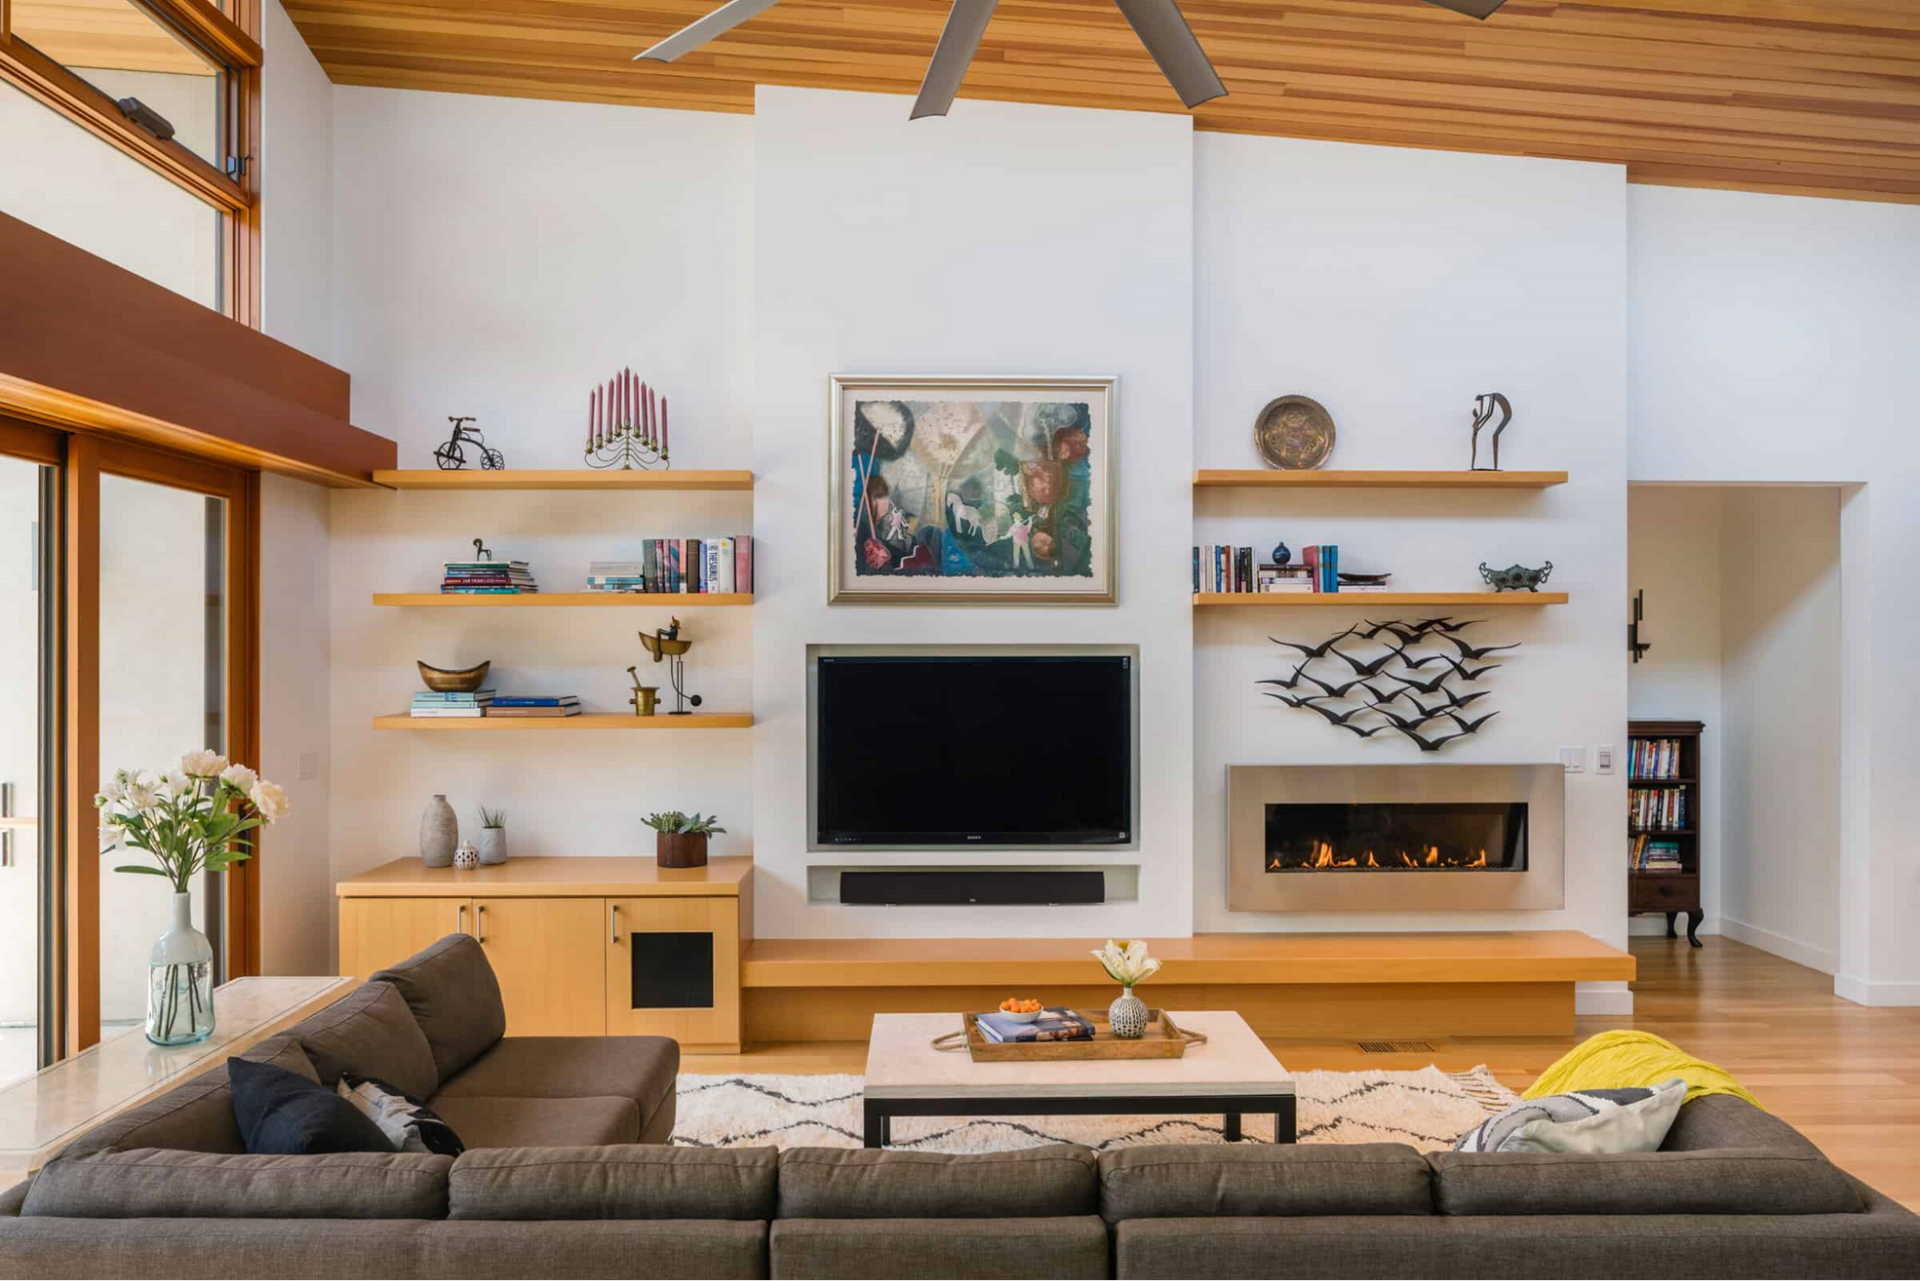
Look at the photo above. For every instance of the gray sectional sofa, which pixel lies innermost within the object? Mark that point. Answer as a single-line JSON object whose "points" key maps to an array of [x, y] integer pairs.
{"points": [[567, 1175]]}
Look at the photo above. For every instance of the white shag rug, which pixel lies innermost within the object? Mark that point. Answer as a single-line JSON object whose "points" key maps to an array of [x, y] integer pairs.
{"points": [[1427, 1109]]}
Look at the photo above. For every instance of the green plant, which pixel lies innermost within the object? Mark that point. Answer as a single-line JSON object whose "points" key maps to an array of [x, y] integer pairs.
{"points": [[492, 818], [674, 823]]}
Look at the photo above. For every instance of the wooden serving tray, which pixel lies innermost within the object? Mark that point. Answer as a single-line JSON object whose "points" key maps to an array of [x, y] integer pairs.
{"points": [[1163, 1039]]}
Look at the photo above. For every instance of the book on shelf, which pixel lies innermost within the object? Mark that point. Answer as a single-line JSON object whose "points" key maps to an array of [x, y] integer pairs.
{"points": [[1657, 808], [448, 710], [1647, 855], [538, 700], [538, 711], [435, 697], [1056, 1023], [1654, 759], [680, 565], [487, 578]]}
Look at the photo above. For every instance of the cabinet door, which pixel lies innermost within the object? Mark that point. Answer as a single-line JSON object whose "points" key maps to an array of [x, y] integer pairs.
{"points": [[673, 969], [378, 932], [546, 952]]}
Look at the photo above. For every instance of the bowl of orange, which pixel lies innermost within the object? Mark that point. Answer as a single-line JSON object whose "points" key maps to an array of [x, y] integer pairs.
{"points": [[1021, 1009]]}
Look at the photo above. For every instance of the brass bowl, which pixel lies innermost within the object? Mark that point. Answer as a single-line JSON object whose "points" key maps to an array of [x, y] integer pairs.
{"points": [[464, 681], [660, 645]]}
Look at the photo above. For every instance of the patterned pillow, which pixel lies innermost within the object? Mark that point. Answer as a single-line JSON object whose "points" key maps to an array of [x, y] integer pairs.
{"points": [[1587, 1121], [410, 1124]]}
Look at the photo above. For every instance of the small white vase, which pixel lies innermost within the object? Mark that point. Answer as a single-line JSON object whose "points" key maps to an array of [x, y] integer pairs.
{"points": [[180, 981], [493, 846], [1127, 1016]]}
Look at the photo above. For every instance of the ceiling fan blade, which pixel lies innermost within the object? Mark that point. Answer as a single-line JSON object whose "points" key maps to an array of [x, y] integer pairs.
{"points": [[1164, 30], [1481, 9], [694, 34], [952, 56]]}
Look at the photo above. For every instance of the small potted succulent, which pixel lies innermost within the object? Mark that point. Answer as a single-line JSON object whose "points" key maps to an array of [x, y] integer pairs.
{"points": [[493, 836], [682, 838]]}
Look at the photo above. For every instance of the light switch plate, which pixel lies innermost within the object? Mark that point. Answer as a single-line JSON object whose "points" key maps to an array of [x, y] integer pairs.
{"points": [[1603, 758], [1574, 758], [309, 765]]}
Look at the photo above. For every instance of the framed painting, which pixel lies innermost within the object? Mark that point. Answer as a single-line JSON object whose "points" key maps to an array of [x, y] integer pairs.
{"points": [[951, 490]]}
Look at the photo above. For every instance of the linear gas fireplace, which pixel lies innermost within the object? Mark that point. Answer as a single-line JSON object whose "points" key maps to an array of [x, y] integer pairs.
{"points": [[1394, 837]]}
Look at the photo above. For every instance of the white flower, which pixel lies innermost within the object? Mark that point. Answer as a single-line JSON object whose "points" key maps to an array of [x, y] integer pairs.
{"points": [[1127, 962], [270, 799], [179, 784], [202, 764], [239, 777], [141, 796]]}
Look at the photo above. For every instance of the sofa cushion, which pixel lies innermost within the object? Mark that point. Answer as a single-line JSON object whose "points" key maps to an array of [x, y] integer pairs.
{"points": [[838, 1183], [623, 1182], [455, 998], [1264, 1179], [484, 1122], [194, 1116], [408, 1124], [369, 1033], [1587, 1122], [1722, 1121], [147, 1183], [642, 1068], [1722, 1181], [284, 1113], [937, 1248]]}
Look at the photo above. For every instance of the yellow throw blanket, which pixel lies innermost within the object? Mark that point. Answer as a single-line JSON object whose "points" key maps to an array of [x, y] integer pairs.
{"points": [[1618, 1060]]}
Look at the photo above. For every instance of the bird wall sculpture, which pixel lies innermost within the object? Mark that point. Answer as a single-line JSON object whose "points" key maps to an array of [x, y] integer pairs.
{"points": [[1369, 696]]}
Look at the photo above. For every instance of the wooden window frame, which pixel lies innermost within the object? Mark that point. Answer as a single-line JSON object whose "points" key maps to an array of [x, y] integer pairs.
{"points": [[233, 42], [87, 459]]}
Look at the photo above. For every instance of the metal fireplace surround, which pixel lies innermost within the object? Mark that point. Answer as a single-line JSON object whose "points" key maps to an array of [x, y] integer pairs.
{"points": [[1539, 884]]}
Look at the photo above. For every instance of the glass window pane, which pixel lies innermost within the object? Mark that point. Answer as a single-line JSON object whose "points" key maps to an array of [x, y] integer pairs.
{"points": [[125, 52], [21, 885], [162, 694], [70, 184]]}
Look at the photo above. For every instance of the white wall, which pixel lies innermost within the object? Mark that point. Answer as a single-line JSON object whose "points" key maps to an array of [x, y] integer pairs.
{"points": [[1772, 339], [1673, 556], [1780, 748], [1406, 284], [497, 257], [1003, 239], [296, 190]]}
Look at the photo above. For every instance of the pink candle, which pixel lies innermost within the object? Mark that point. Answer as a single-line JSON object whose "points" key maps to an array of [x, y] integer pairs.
{"points": [[626, 398], [646, 430], [663, 427]]}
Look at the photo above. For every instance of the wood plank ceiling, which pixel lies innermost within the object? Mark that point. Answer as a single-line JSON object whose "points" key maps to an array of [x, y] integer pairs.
{"points": [[1813, 96]]}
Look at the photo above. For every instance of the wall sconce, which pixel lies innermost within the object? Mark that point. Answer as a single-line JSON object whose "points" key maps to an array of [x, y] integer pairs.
{"points": [[1635, 645]]}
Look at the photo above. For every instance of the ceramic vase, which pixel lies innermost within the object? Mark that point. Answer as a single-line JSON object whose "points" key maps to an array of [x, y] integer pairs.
{"points": [[439, 833], [681, 849], [493, 846], [180, 981], [465, 857], [1127, 1016]]}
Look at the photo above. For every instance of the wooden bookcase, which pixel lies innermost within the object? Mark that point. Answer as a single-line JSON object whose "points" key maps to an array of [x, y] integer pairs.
{"points": [[1669, 892]]}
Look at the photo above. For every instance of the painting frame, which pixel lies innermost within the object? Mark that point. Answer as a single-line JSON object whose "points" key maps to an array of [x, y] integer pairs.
{"points": [[1092, 505]]}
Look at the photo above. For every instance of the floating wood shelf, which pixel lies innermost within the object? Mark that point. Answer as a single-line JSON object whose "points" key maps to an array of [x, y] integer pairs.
{"points": [[536, 600], [586, 720], [1267, 478], [1377, 600], [582, 479]]}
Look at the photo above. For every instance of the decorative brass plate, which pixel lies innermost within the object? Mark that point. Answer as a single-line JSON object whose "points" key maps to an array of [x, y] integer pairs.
{"points": [[1294, 433]]}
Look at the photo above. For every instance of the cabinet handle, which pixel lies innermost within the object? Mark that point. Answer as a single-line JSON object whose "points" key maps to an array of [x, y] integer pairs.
{"points": [[460, 918], [615, 916], [480, 923]]}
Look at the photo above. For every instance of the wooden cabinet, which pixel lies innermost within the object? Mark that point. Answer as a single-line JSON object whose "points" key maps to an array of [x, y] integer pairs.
{"points": [[581, 946], [673, 969], [376, 932], [550, 960]]}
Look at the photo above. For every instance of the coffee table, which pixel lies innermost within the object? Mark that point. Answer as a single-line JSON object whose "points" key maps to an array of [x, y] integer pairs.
{"points": [[1232, 1074]]}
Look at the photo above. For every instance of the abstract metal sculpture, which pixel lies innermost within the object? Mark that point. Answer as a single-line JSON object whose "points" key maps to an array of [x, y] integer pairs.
{"points": [[1427, 631], [1483, 407]]}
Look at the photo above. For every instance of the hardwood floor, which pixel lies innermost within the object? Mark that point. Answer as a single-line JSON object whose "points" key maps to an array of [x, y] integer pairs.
{"points": [[1848, 1077]]}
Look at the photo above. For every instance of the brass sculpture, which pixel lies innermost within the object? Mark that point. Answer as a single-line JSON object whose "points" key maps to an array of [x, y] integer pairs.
{"points": [[667, 645], [1483, 407]]}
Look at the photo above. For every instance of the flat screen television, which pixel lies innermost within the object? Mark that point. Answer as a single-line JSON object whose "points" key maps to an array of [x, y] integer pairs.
{"points": [[973, 751]]}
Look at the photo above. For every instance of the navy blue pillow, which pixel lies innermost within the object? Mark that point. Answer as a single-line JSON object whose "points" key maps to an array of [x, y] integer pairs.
{"points": [[282, 1113]]}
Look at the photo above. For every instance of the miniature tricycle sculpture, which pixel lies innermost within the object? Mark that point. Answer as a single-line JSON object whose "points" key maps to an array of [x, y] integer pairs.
{"points": [[452, 458]]}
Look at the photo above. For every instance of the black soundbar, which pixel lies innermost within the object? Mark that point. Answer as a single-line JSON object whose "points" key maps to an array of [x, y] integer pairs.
{"points": [[910, 887]]}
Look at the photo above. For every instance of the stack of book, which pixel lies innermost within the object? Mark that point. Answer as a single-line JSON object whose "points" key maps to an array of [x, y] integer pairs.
{"points": [[536, 705], [1219, 568], [1654, 758], [1056, 1023], [1644, 854], [431, 703], [487, 578], [1657, 809], [680, 565], [1283, 578]]}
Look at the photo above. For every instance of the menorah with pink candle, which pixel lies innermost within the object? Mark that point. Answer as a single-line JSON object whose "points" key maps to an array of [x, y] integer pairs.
{"points": [[626, 426]]}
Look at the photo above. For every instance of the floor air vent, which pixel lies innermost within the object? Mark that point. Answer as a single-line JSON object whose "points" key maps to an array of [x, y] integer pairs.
{"points": [[1395, 1047]]}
